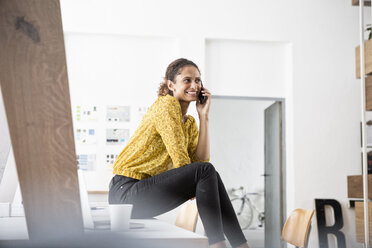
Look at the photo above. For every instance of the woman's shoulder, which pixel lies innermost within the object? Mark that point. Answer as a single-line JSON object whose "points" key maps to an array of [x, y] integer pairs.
{"points": [[167, 102], [163, 105], [167, 99]]}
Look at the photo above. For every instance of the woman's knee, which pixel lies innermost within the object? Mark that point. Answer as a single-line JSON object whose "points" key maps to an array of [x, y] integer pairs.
{"points": [[207, 167]]}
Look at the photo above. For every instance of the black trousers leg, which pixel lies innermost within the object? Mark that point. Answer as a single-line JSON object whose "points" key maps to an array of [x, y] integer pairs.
{"points": [[166, 191], [230, 221]]}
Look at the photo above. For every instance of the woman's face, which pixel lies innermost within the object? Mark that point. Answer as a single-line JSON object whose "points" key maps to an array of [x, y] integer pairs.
{"points": [[187, 84]]}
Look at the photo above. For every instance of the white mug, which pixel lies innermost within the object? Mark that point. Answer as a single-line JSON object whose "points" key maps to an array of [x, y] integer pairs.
{"points": [[120, 216]]}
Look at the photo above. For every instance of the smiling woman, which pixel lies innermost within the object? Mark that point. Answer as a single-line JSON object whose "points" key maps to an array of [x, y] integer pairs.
{"points": [[166, 135]]}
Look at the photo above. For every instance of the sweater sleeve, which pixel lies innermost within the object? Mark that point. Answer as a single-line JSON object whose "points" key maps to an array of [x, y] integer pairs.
{"points": [[194, 137], [168, 123]]}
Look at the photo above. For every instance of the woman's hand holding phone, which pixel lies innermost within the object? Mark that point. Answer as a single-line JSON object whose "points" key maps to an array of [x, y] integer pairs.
{"points": [[203, 102], [201, 98]]}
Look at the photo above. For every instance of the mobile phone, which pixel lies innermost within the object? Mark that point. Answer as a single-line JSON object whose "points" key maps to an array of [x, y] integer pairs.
{"points": [[202, 98]]}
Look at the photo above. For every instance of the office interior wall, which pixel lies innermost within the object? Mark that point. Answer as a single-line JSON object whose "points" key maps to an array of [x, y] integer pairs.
{"points": [[322, 94], [240, 67], [238, 146]]}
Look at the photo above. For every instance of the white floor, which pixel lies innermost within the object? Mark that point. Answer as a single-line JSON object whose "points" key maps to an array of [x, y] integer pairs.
{"points": [[255, 238]]}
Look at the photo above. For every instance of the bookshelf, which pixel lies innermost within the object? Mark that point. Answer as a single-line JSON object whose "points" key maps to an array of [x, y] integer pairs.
{"points": [[358, 185]]}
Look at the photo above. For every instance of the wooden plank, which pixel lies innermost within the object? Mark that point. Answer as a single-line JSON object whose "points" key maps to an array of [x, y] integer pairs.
{"points": [[98, 192], [35, 89], [359, 221], [369, 93], [356, 3], [355, 186], [367, 58]]}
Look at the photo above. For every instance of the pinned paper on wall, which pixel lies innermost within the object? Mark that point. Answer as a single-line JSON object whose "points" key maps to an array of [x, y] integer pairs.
{"points": [[117, 136], [85, 136], [110, 159], [141, 112], [86, 162], [86, 113], [118, 113]]}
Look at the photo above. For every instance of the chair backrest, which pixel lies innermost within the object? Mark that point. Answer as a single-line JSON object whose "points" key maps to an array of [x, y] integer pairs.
{"points": [[187, 217], [296, 228]]}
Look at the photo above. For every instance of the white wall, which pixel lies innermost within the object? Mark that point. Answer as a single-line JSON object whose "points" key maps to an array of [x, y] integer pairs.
{"points": [[238, 146], [240, 67], [322, 94]]}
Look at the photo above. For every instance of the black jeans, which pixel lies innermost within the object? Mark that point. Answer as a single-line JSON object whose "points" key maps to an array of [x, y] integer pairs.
{"points": [[166, 191]]}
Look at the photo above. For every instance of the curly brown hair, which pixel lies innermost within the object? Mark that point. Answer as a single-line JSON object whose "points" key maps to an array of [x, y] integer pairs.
{"points": [[172, 71]]}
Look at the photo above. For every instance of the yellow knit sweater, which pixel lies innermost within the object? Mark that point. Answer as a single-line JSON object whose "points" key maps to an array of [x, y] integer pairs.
{"points": [[160, 140]]}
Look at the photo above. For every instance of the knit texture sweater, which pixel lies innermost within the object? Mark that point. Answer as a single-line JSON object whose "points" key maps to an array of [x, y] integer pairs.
{"points": [[161, 142]]}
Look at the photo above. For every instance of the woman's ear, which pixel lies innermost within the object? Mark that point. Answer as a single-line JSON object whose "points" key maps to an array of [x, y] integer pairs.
{"points": [[170, 85]]}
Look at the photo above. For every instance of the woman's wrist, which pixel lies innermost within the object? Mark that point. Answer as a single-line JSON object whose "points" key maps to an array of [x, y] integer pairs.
{"points": [[203, 117]]}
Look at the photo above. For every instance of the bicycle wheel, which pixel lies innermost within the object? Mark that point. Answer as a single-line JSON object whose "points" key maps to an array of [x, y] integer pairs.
{"points": [[243, 211]]}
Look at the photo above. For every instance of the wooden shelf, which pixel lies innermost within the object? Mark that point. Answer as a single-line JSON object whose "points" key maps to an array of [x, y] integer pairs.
{"points": [[356, 3], [367, 57], [369, 93], [355, 186], [359, 221]]}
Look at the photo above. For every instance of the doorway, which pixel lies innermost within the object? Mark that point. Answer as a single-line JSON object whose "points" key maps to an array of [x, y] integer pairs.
{"points": [[244, 134]]}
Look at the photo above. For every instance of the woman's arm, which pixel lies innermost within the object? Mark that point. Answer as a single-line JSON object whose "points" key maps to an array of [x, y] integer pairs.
{"points": [[203, 147], [167, 122]]}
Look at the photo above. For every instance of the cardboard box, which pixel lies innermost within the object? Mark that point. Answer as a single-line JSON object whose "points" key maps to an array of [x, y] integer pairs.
{"points": [[359, 221], [355, 186]]}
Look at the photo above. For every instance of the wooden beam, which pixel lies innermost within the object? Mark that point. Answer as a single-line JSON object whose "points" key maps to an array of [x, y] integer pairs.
{"points": [[356, 3], [35, 89]]}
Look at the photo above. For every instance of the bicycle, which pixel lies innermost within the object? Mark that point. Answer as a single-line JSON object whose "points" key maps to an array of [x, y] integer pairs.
{"points": [[244, 208]]}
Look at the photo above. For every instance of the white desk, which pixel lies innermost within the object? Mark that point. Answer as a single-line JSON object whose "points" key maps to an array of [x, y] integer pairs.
{"points": [[156, 232]]}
